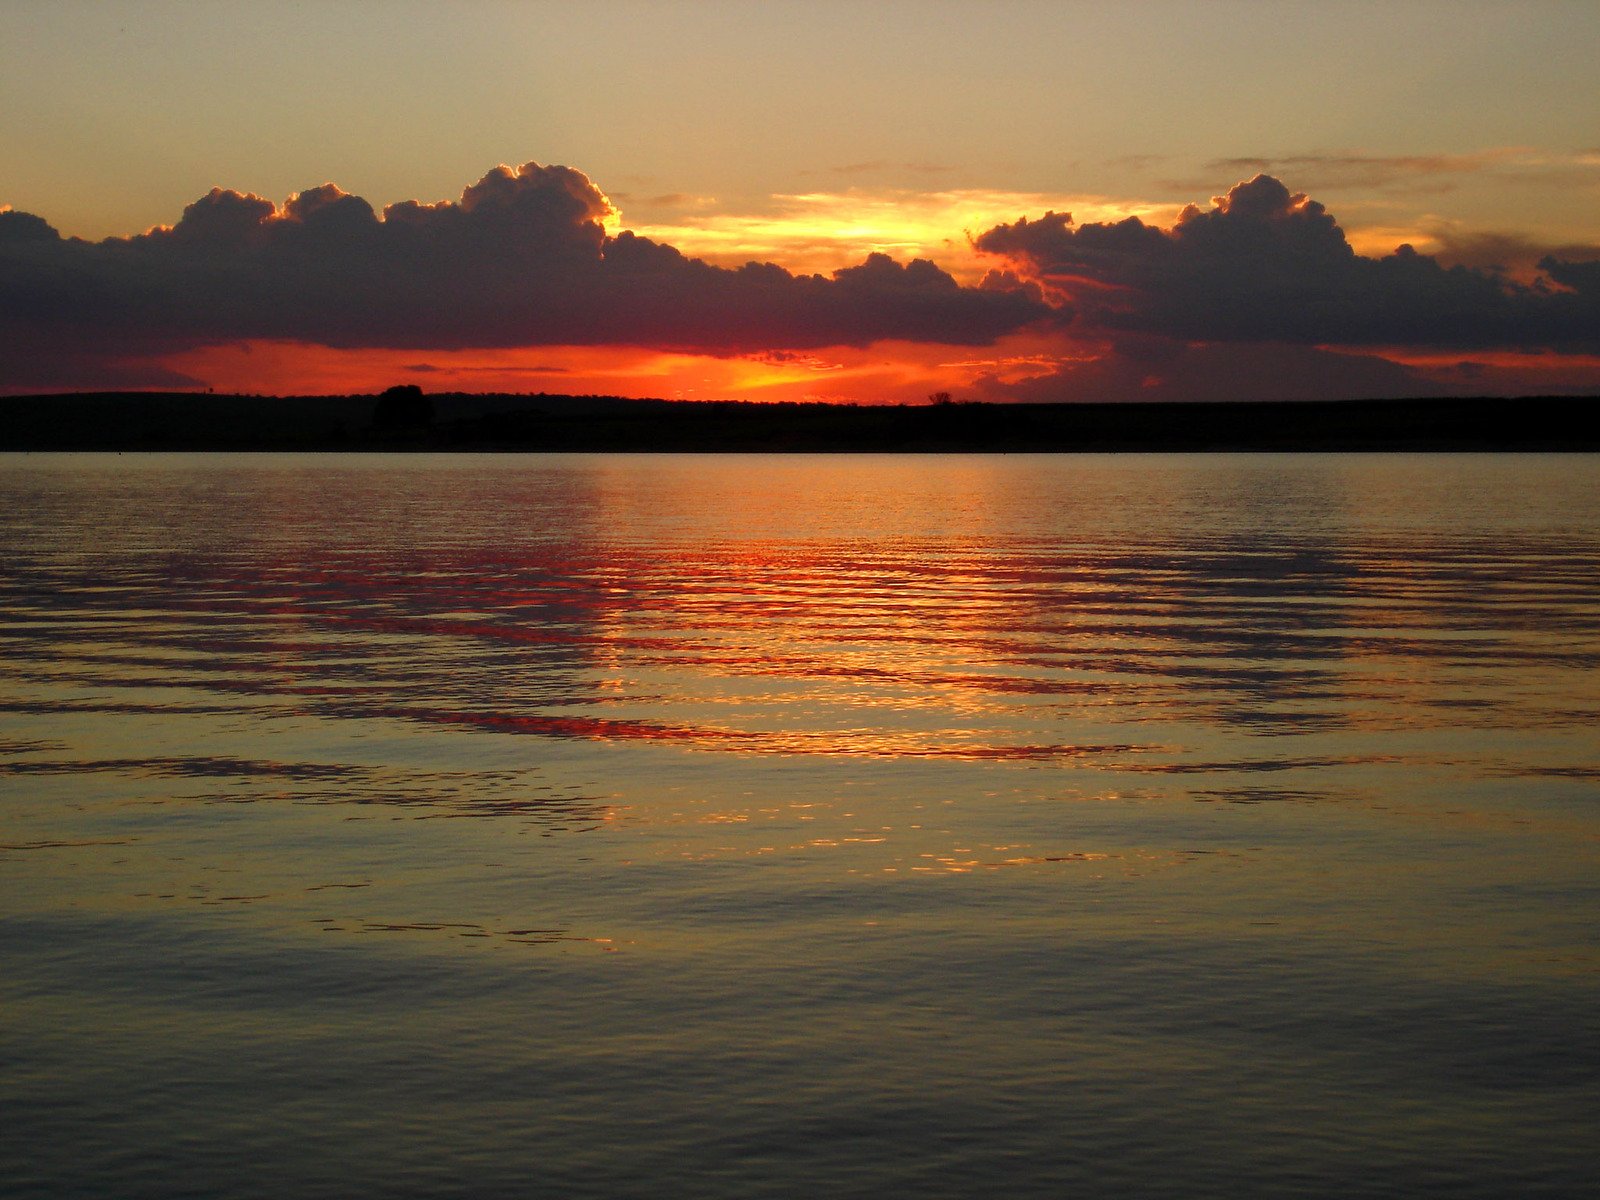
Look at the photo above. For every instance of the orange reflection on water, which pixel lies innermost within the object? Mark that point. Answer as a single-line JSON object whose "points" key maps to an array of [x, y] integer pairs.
{"points": [[973, 610]]}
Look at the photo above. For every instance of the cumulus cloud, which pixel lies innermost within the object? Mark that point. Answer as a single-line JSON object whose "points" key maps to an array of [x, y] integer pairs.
{"points": [[1263, 264], [522, 258]]}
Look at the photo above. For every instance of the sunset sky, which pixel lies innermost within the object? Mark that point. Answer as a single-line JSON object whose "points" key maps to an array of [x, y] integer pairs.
{"points": [[811, 201]]}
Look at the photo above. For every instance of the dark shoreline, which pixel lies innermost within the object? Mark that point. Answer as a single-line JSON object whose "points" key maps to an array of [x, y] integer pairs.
{"points": [[188, 421]]}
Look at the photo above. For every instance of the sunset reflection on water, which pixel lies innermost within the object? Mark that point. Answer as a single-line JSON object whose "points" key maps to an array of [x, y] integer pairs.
{"points": [[785, 817]]}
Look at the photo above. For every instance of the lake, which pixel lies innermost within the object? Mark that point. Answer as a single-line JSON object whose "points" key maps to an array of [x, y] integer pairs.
{"points": [[631, 826]]}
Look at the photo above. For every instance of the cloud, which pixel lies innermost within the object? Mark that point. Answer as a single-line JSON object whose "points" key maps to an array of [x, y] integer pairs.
{"points": [[678, 200], [523, 258], [31, 363], [1350, 170], [1500, 251], [1266, 265], [814, 229], [1142, 368], [428, 368]]}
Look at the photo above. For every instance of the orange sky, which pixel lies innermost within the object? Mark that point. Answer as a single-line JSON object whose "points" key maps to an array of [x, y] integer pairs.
{"points": [[818, 232], [811, 136], [887, 372]]}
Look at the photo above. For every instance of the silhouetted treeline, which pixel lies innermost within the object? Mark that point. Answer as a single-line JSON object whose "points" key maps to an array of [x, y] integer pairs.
{"points": [[404, 418]]}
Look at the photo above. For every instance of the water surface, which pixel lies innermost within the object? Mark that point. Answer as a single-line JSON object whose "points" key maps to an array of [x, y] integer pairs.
{"points": [[852, 826]]}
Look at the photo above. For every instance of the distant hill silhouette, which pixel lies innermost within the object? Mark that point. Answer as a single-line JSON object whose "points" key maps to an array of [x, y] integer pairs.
{"points": [[404, 418]]}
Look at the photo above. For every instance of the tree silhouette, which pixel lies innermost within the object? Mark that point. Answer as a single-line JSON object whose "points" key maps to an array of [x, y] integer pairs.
{"points": [[401, 408]]}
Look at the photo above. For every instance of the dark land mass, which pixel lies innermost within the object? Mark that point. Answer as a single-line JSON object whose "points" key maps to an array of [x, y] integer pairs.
{"points": [[404, 419]]}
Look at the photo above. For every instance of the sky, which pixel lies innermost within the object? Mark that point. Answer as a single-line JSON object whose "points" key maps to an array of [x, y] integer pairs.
{"points": [[768, 201]]}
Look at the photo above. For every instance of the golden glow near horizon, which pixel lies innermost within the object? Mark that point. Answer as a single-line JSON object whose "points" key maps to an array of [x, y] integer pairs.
{"points": [[890, 372]]}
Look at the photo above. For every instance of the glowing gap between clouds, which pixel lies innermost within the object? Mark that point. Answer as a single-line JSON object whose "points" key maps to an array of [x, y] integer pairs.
{"points": [[816, 232]]}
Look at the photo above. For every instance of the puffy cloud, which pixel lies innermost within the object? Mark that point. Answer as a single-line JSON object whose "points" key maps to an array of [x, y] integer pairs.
{"points": [[1264, 265], [19, 228], [523, 258]]}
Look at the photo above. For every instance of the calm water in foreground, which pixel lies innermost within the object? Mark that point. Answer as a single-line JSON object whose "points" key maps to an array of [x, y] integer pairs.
{"points": [[747, 827]]}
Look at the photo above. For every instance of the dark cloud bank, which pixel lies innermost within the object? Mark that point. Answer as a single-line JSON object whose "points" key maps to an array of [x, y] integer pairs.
{"points": [[1261, 297], [1243, 295], [1265, 265], [521, 259]]}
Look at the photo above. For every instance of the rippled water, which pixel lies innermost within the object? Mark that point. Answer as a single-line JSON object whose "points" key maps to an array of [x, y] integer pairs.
{"points": [[633, 826]]}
